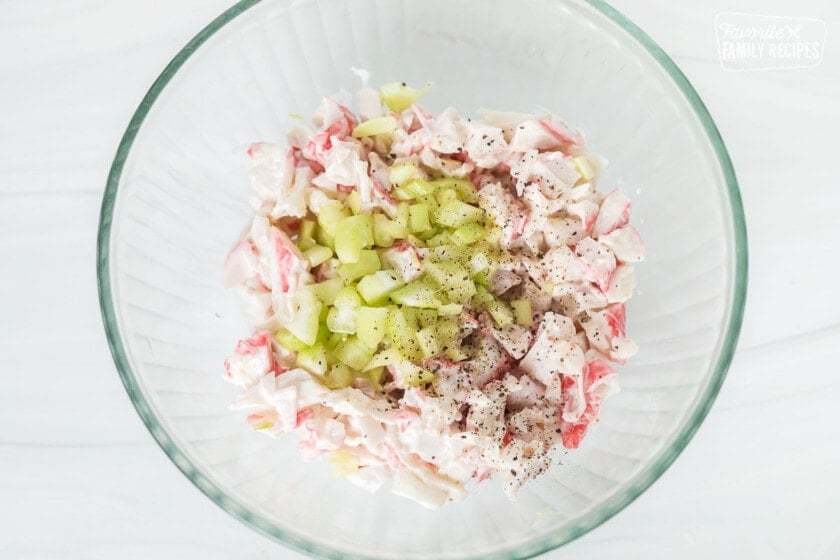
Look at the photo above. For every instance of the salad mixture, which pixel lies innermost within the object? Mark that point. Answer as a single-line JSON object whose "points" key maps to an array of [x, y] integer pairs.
{"points": [[437, 300]]}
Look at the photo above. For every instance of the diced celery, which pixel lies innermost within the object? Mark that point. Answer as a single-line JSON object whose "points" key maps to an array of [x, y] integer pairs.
{"points": [[447, 329], [387, 357], [343, 463], [414, 376], [479, 261], [403, 215], [499, 310], [334, 340], [374, 126], [386, 231], [416, 294], [339, 377], [304, 324], [376, 287], [347, 297], [313, 359], [468, 233], [401, 173], [289, 341], [483, 278], [428, 342], [419, 188], [354, 201], [370, 324], [463, 187], [354, 353], [399, 96], [410, 314], [342, 316], [454, 213], [439, 239], [522, 312], [453, 253], [445, 195], [403, 337], [584, 168], [455, 353], [450, 309], [324, 238], [352, 234], [426, 317], [374, 377], [326, 291], [329, 215], [419, 218], [342, 320], [368, 263], [317, 254], [323, 330], [306, 235], [453, 278]]}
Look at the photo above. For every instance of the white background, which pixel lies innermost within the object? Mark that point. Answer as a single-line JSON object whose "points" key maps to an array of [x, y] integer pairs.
{"points": [[80, 478]]}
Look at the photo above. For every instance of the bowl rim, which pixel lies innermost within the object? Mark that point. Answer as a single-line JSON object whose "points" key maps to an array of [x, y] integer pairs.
{"points": [[529, 549]]}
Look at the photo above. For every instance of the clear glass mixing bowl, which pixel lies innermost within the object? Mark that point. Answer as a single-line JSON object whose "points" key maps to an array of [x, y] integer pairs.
{"points": [[177, 197]]}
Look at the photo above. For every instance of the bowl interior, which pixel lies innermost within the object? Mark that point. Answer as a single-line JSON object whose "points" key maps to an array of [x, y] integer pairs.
{"points": [[178, 198]]}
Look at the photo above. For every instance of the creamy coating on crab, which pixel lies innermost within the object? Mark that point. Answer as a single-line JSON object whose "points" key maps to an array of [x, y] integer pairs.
{"points": [[437, 300]]}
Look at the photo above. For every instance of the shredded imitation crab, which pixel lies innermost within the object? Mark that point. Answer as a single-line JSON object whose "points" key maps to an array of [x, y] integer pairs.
{"points": [[437, 300]]}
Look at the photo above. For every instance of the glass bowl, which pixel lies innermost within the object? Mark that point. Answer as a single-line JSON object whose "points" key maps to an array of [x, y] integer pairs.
{"points": [[177, 198]]}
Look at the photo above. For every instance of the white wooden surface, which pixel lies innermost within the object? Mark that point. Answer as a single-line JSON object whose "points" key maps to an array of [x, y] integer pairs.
{"points": [[80, 478]]}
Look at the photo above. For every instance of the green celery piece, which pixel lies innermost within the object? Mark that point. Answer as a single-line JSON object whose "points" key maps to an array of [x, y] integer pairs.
{"points": [[386, 231], [453, 278], [375, 288], [416, 294], [342, 316], [403, 336], [415, 376], [454, 213], [368, 263], [468, 233], [426, 317], [374, 377], [370, 324], [419, 218], [463, 187], [342, 320], [339, 377], [352, 234], [354, 202], [452, 253], [329, 215], [399, 96], [401, 173], [317, 254], [326, 291], [450, 309], [387, 357], [522, 312], [428, 342], [306, 235], [289, 341], [455, 353], [354, 353], [378, 125], [499, 310], [403, 215], [313, 359], [304, 323], [323, 238]]}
